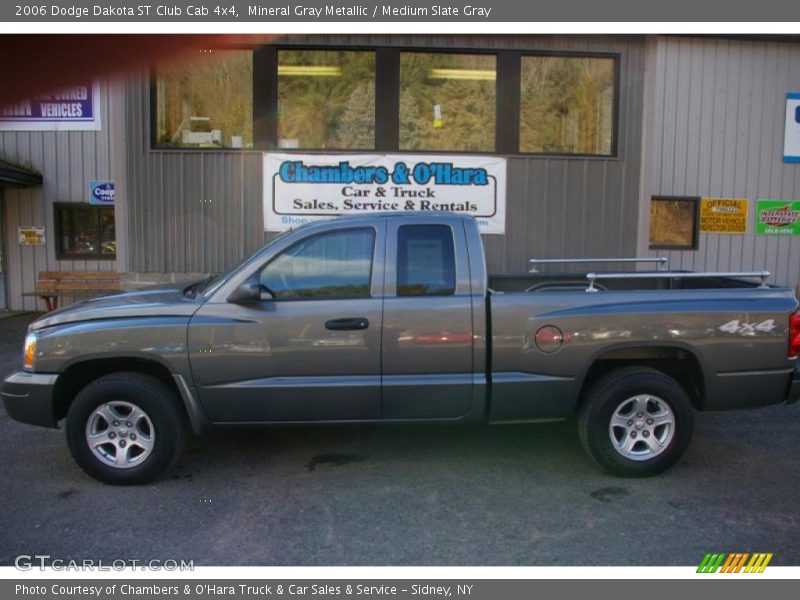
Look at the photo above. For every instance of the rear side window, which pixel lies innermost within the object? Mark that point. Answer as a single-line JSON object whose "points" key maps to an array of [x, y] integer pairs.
{"points": [[329, 265], [426, 263]]}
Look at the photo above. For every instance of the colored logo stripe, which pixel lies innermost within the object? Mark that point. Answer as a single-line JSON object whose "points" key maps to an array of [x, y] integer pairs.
{"points": [[758, 563], [734, 562], [711, 563]]}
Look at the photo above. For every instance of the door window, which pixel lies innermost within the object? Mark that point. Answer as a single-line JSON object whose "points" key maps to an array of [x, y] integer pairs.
{"points": [[329, 265], [426, 264]]}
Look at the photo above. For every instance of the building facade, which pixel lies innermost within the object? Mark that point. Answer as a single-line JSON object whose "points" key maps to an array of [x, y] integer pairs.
{"points": [[612, 146]]}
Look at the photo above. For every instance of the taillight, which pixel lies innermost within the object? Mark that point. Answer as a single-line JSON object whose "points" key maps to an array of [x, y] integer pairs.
{"points": [[794, 335]]}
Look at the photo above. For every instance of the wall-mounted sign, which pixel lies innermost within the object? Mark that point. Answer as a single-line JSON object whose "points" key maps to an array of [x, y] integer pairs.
{"points": [[73, 108], [31, 235], [791, 136], [304, 187], [723, 215], [777, 217], [102, 192]]}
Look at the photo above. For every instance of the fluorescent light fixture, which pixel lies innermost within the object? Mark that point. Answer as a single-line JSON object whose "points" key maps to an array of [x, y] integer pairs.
{"points": [[475, 74], [309, 71]]}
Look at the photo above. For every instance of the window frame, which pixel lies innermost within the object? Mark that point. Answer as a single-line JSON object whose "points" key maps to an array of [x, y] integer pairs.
{"points": [[152, 75], [616, 59], [273, 98], [695, 200], [58, 225], [369, 296], [497, 86], [387, 100]]}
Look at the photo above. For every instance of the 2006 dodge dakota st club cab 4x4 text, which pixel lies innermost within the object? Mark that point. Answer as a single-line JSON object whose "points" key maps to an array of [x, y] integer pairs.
{"points": [[389, 318]]}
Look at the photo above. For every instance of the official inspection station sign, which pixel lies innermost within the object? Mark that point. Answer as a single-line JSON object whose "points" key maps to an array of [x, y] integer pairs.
{"points": [[303, 187], [791, 137], [723, 215], [777, 217]]}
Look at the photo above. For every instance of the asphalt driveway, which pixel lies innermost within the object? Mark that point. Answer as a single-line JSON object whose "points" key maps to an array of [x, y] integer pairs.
{"points": [[407, 495]]}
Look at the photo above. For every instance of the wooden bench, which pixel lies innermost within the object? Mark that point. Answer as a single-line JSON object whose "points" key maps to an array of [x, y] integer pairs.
{"points": [[50, 285]]}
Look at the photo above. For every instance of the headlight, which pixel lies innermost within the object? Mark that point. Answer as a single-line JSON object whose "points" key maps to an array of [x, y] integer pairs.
{"points": [[29, 354]]}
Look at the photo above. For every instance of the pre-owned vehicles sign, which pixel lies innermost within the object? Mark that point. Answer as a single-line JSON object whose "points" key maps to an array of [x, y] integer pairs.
{"points": [[304, 187], [73, 108]]}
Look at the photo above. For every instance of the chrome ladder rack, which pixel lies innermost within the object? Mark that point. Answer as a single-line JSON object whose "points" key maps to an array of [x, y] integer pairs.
{"points": [[661, 260], [593, 277]]}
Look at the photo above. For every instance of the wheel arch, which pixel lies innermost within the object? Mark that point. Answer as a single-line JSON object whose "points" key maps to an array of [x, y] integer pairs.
{"points": [[676, 361], [78, 374]]}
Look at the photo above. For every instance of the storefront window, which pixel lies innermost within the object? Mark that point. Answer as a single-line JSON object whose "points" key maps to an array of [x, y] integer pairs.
{"points": [[567, 105], [85, 231], [207, 102], [673, 223], [447, 101], [326, 100]]}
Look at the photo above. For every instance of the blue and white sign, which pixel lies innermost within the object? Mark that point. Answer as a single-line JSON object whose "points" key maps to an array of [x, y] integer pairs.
{"points": [[102, 192], [74, 108], [791, 139], [305, 187]]}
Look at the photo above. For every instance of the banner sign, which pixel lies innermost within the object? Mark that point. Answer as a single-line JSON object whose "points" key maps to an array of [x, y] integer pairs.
{"points": [[74, 108], [304, 187], [723, 215], [102, 192], [777, 217], [791, 136], [31, 235]]}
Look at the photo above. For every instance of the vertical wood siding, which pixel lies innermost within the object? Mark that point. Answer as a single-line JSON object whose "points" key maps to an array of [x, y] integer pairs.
{"points": [[68, 160], [718, 128], [201, 211]]}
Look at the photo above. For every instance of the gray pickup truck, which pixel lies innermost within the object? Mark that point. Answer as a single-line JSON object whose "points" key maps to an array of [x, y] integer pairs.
{"points": [[393, 318]]}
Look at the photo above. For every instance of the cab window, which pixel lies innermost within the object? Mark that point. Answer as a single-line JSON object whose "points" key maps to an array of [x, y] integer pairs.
{"points": [[426, 264], [336, 264]]}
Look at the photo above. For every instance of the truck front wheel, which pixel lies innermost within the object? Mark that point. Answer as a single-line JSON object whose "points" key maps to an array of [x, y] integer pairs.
{"points": [[635, 422], [126, 428]]}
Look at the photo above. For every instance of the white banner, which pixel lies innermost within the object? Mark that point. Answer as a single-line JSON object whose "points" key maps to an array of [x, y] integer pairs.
{"points": [[304, 187], [791, 139]]}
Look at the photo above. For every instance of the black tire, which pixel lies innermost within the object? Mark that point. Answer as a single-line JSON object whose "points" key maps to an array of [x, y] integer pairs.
{"points": [[161, 407], [607, 395]]}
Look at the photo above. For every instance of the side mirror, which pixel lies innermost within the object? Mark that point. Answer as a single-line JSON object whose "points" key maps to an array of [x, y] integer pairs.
{"points": [[248, 292]]}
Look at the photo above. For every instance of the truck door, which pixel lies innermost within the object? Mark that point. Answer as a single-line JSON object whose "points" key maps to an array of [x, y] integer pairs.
{"points": [[427, 343], [310, 351]]}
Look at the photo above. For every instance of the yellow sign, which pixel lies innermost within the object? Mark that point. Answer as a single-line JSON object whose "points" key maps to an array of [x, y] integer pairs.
{"points": [[723, 215], [31, 235]]}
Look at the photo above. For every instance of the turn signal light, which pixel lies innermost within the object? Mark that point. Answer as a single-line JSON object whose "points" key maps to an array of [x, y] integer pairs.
{"points": [[794, 335], [29, 352]]}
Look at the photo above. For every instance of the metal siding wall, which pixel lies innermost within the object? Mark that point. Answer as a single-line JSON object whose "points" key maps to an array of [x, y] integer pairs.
{"points": [[718, 131], [68, 160], [200, 211]]}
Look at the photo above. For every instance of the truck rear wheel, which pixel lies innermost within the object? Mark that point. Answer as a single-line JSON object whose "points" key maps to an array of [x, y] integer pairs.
{"points": [[635, 422], [126, 428]]}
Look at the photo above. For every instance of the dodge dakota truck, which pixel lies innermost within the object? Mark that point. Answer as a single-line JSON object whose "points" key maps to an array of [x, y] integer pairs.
{"points": [[393, 318]]}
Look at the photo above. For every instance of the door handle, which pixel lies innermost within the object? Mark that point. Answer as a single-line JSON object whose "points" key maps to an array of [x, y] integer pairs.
{"points": [[346, 324]]}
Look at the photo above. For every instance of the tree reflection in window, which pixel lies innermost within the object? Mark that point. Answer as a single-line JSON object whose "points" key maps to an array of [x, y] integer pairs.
{"points": [[329, 265]]}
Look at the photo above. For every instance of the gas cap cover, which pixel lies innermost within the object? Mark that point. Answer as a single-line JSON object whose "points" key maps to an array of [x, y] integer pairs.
{"points": [[549, 339]]}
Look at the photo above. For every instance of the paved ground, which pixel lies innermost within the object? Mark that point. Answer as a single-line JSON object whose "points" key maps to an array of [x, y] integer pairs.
{"points": [[419, 495]]}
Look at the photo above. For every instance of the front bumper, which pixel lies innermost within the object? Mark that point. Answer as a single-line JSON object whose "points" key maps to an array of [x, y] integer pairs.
{"points": [[28, 398], [794, 387]]}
